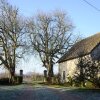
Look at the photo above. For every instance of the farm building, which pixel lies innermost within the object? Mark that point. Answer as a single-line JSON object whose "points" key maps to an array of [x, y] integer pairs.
{"points": [[87, 47]]}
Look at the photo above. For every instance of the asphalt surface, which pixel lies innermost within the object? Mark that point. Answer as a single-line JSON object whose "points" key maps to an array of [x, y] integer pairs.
{"points": [[45, 93], [29, 92]]}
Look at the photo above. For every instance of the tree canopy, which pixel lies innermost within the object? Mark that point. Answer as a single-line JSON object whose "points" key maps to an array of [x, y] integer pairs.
{"points": [[50, 35], [11, 36]]}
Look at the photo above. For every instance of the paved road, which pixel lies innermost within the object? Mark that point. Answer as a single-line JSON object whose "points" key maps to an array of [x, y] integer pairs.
{"points": [[45, 93], [28, 92]]}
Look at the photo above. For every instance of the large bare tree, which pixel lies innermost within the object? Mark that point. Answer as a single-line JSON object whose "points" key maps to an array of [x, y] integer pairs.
{"points": [[12, 37], [51, 35]]}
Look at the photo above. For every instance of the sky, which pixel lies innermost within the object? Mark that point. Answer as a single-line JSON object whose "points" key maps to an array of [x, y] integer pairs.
{"points": [[84, 17]]}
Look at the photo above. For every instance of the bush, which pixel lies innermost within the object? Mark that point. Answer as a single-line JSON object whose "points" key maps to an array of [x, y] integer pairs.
{"points": [[52, 80], [18, 79], [4, 81], [89, 84], [96, 82]]}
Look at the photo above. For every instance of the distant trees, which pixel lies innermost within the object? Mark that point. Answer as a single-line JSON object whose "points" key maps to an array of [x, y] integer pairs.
{"points": [[12, 37], [50, 35]]}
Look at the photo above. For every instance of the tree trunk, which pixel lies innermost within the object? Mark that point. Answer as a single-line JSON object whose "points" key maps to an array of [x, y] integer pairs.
{"points": [[12, 78], [50, 71], [50, 74], [83, 83], [12, 75]]}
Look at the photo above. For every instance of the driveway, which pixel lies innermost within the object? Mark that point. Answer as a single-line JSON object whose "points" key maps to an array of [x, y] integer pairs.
{"points": [[45, 93], [28, 92]]}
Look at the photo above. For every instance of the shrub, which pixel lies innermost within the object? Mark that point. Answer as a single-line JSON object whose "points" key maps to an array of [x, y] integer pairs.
{"points": [[4, 81], [18, 79], [89, 84], [96, 82]]}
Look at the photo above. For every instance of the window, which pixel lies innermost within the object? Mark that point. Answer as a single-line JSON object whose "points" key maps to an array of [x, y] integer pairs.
{"points": [[63, 75]]}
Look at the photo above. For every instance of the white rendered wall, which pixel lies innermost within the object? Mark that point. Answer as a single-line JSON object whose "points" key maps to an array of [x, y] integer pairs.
{"points": [[69, 67]]}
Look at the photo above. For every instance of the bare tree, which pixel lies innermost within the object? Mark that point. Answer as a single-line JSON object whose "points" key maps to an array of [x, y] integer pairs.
{"points": [[12, 37], [50, 35]]}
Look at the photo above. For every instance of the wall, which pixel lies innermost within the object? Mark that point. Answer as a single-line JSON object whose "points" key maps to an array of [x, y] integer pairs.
{"points": [[69, 67]]}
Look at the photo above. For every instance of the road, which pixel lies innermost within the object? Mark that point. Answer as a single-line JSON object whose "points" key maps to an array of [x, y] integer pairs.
{"points": [[28, 92], [45, 93]]}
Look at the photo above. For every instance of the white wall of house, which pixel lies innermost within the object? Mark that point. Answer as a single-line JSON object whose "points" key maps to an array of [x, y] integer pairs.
{"points": [[69, 67]]}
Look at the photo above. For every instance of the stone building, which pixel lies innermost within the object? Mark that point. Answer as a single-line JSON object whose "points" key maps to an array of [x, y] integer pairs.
{"points": [[87, 47]]}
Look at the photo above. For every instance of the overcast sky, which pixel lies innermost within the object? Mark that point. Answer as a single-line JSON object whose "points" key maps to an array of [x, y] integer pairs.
{"points": [[85, 18]]}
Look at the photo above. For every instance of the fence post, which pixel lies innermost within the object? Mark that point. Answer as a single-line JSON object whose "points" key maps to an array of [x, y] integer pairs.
{"points": [[45, 75], [21, 76]]}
